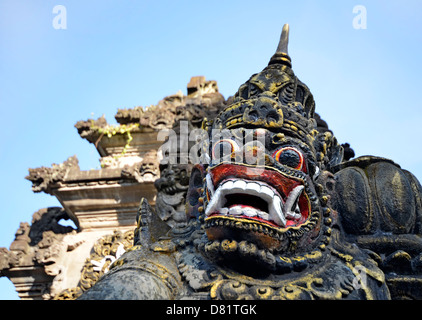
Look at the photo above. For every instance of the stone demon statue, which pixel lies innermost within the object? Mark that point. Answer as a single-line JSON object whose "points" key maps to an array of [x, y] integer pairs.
{"points": [[275, 211]]}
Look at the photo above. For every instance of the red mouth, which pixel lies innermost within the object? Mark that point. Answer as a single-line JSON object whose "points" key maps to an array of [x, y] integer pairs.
{"points": [[252, 193]]}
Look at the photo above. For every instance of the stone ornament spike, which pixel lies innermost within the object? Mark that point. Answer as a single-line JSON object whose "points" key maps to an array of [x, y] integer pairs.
{"points": [[281, 56], [284, 40]]}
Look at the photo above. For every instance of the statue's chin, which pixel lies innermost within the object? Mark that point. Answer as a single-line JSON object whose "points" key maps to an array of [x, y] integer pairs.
{"points": [[261, 237], [242, 256]]}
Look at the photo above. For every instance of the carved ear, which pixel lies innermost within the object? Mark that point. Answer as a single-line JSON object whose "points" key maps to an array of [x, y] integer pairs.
{"points": [[336, 156], [329, 153], [195, 192]]}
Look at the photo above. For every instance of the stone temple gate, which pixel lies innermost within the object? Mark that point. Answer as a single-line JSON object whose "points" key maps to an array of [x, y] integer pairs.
{"points": [[48, 260]]}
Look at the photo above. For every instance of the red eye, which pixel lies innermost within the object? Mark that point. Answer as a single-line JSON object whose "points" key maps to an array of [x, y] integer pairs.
{"points": [[224, 148], [290, 157]]}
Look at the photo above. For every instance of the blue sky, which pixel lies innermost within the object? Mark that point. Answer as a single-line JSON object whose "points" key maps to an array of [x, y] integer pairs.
{"points": [[122, 54]]}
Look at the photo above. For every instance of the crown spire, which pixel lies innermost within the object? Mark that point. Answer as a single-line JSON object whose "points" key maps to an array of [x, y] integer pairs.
{"points": [[284, 40], [281, 55]]}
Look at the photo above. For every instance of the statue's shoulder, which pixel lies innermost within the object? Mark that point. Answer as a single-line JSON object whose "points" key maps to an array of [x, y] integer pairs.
{"points": [[143, 272], [375, 194], [148, 270]]}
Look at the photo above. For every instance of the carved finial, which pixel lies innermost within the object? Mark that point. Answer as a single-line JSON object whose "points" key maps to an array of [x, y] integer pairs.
{"points": [[284, 40], [281, 56]]}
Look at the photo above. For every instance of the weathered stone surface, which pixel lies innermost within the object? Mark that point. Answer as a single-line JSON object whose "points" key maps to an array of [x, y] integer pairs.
{"points": [[44, 178], [300, 221]]}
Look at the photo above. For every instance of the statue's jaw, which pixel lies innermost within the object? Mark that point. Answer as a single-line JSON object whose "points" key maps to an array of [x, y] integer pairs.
{"points": [[270, 198]]}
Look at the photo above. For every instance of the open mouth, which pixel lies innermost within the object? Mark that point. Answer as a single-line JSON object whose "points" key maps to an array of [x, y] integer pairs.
{"points": [[257, 200]]}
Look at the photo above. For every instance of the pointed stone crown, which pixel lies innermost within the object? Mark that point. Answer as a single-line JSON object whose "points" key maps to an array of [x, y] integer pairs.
{"points": [[274, 99]]}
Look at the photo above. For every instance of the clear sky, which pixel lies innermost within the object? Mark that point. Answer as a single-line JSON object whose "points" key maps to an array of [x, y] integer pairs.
{"points": [[127, 53]]}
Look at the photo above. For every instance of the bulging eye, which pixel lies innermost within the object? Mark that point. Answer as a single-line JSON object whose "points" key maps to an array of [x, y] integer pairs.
{"points": [[290, 157], [223, 148]]}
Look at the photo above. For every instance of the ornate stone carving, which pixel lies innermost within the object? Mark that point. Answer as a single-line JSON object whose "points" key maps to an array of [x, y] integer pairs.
{"points": [[89, 129], [172, 187], [38, 247], [105, 252], [277, 212], [279, 209], [145, 171], [43, 178], [125, 116]]}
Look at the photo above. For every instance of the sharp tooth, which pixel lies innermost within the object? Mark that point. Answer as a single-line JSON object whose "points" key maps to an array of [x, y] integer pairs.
{"points": [[294, 215], [215, 203], [239, 184], [289, 210], [277, 201], [276, 212], [278, 217], [291, 199], [210, 185]]}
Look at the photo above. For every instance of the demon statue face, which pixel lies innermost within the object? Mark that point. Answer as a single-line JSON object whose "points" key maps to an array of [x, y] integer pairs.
{"points": [[262, 197], [265, 160]]}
